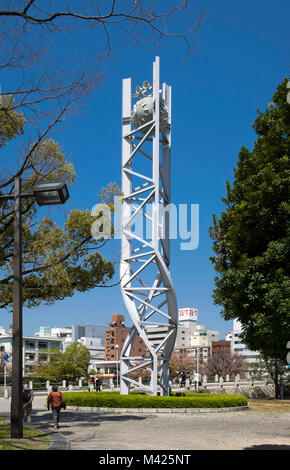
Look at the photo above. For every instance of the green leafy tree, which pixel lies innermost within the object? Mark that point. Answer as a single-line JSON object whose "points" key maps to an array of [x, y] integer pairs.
{"points": [[57, 261], [69, 365], [251, 238]]}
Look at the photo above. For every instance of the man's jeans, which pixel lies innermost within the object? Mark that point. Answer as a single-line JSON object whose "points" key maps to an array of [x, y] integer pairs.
{"points": [[55, 414]]}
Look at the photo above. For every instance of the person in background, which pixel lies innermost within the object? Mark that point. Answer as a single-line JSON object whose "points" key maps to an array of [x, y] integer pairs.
{"points": [[91, 385], [97, 384], [183, 379], [55, 402], [27, 398]]}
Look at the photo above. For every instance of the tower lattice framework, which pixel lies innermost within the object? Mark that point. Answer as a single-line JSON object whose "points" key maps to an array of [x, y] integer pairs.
{"points": [[146, 283]]}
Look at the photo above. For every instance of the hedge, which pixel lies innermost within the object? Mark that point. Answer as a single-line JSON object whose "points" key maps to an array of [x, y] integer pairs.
{"points": [[115, 400]]}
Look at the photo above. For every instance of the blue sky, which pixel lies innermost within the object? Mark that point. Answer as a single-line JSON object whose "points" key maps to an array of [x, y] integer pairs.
{"points": [[240, 54]]}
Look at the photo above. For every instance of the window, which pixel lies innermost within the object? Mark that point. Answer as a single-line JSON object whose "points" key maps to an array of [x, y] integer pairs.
{"points": [[42, 345], [29, 344], [30, 357]]}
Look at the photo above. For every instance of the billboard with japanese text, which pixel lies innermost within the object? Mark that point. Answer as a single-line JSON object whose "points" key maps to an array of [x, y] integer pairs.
{"points": [[187, 314]]}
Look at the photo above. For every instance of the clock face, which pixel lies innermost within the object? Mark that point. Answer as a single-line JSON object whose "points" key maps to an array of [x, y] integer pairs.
{"points": [[143, 113]]}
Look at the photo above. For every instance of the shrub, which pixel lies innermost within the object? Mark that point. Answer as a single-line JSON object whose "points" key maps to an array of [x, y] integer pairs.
{"points": [[115, 400]]}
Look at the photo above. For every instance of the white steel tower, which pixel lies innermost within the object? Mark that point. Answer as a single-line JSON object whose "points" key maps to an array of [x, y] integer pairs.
{"points": [[146, 283]]}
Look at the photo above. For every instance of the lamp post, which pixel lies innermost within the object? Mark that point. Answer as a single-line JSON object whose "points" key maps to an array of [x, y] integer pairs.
{"points": [[117, 358], [197, 368], [45, 194]]}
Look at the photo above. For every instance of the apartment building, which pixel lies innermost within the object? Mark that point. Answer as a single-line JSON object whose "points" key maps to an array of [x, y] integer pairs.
{"points": [[221, 346], [115, 337], [237, 345]]}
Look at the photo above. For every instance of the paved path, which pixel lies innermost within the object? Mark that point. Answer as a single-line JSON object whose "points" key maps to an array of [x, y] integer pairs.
{"points": [[260, 427]]}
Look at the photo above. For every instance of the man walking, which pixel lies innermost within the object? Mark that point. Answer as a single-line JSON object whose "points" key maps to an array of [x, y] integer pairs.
{"points": [[27, 398], [55, 402]]}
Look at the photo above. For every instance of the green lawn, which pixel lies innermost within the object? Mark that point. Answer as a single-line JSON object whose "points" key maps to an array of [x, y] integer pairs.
{"points": [[33, 439]]}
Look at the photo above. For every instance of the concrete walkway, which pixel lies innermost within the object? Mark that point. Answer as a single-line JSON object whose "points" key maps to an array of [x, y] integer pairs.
{"points": [[260, 427]]}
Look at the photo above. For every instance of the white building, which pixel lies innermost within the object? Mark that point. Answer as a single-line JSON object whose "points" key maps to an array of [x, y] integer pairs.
{"points": [[196, 339], [156, 335], [95, 347], [34, 349], [186, 327], [69, 335], [238, 347], [59, 332]]}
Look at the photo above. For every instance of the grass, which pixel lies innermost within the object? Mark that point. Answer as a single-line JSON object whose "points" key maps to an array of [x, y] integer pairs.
{"points": [[269, 405], [33, 439], [188, 400]]}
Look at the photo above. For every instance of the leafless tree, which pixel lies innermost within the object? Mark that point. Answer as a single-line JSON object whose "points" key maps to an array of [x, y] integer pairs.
{"points": [[223, 363], [47, 71]]}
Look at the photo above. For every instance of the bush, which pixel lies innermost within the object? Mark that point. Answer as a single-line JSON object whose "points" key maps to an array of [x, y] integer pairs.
{"points": [[115, 400]]}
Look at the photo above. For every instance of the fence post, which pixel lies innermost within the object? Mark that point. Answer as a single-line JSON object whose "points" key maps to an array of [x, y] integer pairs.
{"points": [[31, 385], [80, 383], [47, 385], [221, 381], [64, 384], [227, 378], [216, 378]]}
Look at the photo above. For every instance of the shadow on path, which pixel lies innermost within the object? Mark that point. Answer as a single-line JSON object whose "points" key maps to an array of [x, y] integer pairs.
{"points": [[268, 447]]}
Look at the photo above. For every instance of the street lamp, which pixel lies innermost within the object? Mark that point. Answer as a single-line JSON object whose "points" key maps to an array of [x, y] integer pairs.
{"points": [[45, 194], [197, 368], [117, 358]]}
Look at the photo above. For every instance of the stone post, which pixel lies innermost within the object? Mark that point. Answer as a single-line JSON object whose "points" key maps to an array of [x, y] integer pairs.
{"points": [[216, 378], [227, 378], [221, 381], [64, 383], [47, 385], [80, 383], [31, 385]]}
